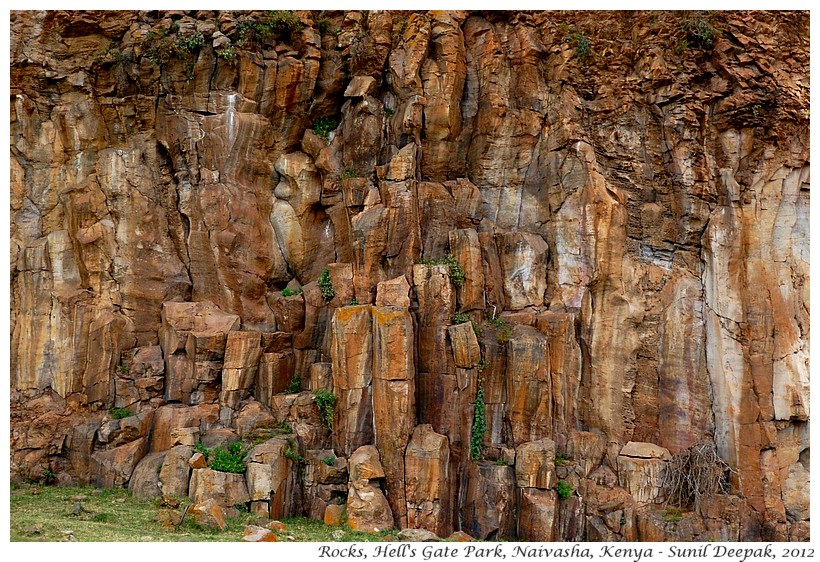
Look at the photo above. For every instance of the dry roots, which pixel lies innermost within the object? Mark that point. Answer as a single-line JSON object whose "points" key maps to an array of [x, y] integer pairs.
{"points": [[695, 473]]}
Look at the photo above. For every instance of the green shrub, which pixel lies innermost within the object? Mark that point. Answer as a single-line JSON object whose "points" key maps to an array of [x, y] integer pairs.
{"points": [[227, 53], [349, 173], [295, 384], [190, 43], [292, 452], [119, 413], [582, 48], [503, 332], [263, 29], [288, 292], [563, 489], [323, 126], [560, 459], [699, 32], [329, 460], [389, 111], [455, 271], [326, 285], [461, 318], [325, 401], [501, 461], [224, 459], [672, 515], [479, 424]]}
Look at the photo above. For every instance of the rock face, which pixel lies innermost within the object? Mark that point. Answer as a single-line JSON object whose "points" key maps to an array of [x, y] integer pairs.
{"points": [[214, 229]]}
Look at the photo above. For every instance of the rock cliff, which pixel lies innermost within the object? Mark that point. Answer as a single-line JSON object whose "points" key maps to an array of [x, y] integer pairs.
{"points": [[520, 274]]}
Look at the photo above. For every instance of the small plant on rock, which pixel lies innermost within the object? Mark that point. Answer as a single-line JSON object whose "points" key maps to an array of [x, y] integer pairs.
{"points": [[119, 413], [326, 285], [228, 459], [292, 452], [560, 459], [325, 401], [329, 460], [563, 489], [295, 384], [323, 126], [288, 292], [349, 173]]}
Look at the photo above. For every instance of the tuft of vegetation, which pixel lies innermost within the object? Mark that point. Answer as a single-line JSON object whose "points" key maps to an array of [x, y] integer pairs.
{"points": [[295, 384], [561, 459], [581, 43], [482, 365], [292, 453], [325, 401], [120, 413], [288, 292], [353, 302], [190, 43], [563, 489], [329, 460], [48, 476], [501, 461], [699, 32], [261, 30], [672, 515], [323, 126], [224, 459], [122, 370], [389, 111], [461, 317], [456, 272], [349, 173], [503, 332], [226, 52], [479, 422], [326, 285]]}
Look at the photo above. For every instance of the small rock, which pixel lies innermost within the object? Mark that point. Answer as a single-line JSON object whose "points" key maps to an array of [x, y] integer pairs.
{"points": [[76, 509], [79, 498], [253, 533], [418, 535], [460, 536], [277, 526], [198, 460]]}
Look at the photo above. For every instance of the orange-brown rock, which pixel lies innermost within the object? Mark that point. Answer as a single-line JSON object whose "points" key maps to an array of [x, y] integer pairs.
{"points": [[176, 471], [631, 219], [209, 514], [427, 481], [367, 508], [254, 533], [225, 488], [490, 504], [535, 464], [640, 471], [538, 515]]}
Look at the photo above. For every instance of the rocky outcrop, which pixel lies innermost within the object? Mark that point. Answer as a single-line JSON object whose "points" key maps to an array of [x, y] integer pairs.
{"points": [[526, 261]]}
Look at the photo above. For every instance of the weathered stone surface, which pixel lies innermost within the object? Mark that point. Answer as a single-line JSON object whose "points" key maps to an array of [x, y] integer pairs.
{"points": [[417, 535], [534, 464], [394, 399], [208, 513], [640, 471], [270, 477], [321, 376], [254, 533], [144, 481], [529, 407], [365, 464], [466, 352], [538, 516], [427, 481], [334, 514], [226, 488], [352, 345], [490, 503], [393, 292], [113, 468], [242, 353], [175, 472], [367, 508], [662, 257]]}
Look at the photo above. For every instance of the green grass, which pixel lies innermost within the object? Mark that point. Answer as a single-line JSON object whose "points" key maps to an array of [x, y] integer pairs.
{"points": [[113, 515]]}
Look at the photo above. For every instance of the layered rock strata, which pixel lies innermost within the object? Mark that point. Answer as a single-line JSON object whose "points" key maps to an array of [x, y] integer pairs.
{"points": [[538, 258]]}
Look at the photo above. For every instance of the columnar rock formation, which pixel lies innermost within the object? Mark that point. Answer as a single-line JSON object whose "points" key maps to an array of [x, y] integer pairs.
{"points": [[535, 256]]}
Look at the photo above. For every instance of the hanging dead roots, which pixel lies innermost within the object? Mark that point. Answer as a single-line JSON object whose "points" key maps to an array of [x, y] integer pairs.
{"points": [[695, 473]]}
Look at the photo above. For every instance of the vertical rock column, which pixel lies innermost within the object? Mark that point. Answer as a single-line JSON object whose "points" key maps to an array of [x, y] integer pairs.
{"points": [[394, 398], [529, 392], [352, 369], [427, 464], [242, 354], [535, 477]]}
